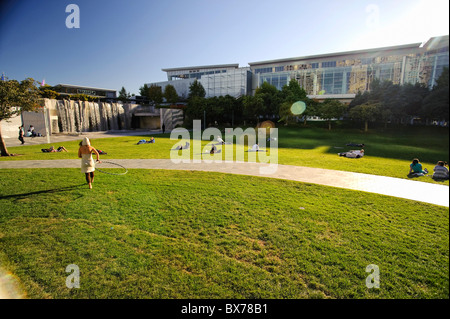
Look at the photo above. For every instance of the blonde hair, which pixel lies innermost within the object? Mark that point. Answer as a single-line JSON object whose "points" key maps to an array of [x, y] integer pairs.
{"points": [[86, 142]]}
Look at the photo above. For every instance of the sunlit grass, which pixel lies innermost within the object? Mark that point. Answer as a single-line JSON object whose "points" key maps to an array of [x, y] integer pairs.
{"points": [[177, 234], [388, 152]]}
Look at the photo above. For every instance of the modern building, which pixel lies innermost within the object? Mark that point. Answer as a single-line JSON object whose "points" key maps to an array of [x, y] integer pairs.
{"points": [[217, 80], [338, 75], [346, 73]]}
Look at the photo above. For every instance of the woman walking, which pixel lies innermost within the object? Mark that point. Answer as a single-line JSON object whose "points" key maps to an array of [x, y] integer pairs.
{"points": [[87, 162]]}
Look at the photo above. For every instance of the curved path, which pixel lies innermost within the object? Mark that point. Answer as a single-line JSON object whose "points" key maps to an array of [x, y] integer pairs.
{"points": [[397, 187]]}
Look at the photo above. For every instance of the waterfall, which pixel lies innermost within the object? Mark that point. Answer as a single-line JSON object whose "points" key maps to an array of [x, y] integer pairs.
{"points": [[83, 116]]}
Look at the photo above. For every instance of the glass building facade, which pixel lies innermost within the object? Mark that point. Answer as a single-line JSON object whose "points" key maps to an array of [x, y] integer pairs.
{"points": [[217, 80], [326, 75], [350, 72]]}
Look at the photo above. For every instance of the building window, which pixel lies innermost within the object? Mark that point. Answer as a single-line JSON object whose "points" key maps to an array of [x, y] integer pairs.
{"points": [[315, 65], [263, 70], [330, 64]]}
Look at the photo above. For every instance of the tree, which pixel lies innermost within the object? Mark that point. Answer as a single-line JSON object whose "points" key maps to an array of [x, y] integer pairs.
{"points": [[253, 106], [170, 93], [285, 112], [195, 107], [436, 104], [123, 95], [331, 109], [291, 93], [196, 89], [48, 92], [271, 98], [15, 98], [360, 98], [143, 90], [155, 94], [367, 112]]}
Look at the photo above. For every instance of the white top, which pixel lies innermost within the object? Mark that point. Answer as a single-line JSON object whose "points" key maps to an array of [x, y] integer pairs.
{"points": [[87, 163]]}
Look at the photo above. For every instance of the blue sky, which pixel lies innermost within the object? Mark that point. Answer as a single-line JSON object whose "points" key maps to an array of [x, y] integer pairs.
{"points": [[127, 43]]}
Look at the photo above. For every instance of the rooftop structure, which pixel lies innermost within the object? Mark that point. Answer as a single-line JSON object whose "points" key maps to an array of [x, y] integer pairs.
{"points": [[68, 89]]}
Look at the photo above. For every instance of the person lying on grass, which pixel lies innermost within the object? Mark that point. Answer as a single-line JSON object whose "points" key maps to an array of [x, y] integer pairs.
{"points": [[353, 154], [150, 141], [52, 149]]}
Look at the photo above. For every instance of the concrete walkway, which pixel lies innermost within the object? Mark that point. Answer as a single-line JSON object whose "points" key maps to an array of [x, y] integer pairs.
{"points": [[397, 187], [62, 137]]}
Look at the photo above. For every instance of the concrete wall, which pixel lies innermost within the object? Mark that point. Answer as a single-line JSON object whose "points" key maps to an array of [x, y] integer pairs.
{"points": [[36, 119], [10, 128], [149, 122]]}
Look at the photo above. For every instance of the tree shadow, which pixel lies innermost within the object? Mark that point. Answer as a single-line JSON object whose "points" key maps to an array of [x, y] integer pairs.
{"points": [[47, 191]]}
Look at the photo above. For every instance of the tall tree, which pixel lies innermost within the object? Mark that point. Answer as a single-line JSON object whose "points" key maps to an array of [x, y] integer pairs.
{"points": [[367, 112], [143, 90], [196, 105], [15, 98], [155, 94], [196, 89], [253, 107], [291, 93], [170, 93], [331, 109], [436, 104], [123, 95], [271, 98]]}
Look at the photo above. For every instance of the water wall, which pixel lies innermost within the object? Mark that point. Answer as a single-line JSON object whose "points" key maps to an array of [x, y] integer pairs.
{"points": [[68, 116]]}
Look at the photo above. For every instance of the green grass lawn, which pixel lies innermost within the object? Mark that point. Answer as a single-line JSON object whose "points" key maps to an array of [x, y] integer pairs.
{"points": [[177, 234], [388, 152]]}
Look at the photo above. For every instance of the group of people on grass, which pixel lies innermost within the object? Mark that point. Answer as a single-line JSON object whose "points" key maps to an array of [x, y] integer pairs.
{"points": [[440, 171]]}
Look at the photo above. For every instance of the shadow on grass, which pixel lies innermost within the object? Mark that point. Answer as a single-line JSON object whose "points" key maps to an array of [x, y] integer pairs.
{"points": [[401, 143], [46, 191]]}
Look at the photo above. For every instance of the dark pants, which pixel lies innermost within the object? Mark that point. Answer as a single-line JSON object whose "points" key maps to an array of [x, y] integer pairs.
{"points": [[21, 139], [89, 177]]}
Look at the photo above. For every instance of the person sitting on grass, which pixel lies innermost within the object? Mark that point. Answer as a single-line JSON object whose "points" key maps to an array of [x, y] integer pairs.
{"points": [[213, 150], [52, 149], [440, 171], [415, 168]]}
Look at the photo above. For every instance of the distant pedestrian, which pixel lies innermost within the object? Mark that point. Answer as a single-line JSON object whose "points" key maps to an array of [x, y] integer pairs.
{"points": [[163, 128], [21, 134]]}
